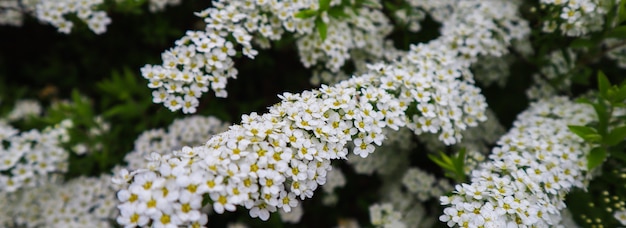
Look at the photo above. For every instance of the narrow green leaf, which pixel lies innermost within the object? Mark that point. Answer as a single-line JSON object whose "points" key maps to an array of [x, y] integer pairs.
{"points": [[447, 159], [603, 84], [322, 28], [306, 14], [616, 136], [595, 157], [459, 162], [622, 12], [582, 131], [603, 117], [440, 163]]}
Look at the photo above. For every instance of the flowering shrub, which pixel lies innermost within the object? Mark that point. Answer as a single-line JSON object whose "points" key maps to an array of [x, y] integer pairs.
{"points": [[404, 113]]}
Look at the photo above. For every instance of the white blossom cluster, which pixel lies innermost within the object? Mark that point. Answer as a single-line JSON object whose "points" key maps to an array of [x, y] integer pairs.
{"points": [[424, 185], [476, 27], [55, 12], [364, 30], [561, 63], [410, 18], [24, 109], [492, 70], [576, 17], [409, 200], [438, 10], [193, 130], [159, 5], [99, 128], [618, 53], [469, 28], [397, 142], [334, 179], [269, 160], [534, 166], [292, 216], [384, 215], [11, 11], [203, 59], [27, 158], [80, 202]]}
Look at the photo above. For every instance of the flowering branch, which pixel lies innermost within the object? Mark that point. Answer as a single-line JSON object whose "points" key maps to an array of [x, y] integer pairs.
{"points": [[529, 173]]}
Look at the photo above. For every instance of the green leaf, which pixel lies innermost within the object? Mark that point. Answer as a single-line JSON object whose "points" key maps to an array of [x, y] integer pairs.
{"points": [[622, 12], [337, 12], [603, 84], [583, 131], [440, 161], [322, 28], [603, 117], [324, 5], [620, 95], [306, 14], [619, 33], [459, 165], [460, 160], [595, 157], [615, 136]]}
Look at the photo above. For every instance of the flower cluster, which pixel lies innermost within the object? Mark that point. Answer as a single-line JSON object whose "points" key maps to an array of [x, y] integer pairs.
{"points": [[159, 5], [334, 179], [424, 185], [618, 52], [54, 12], [575, 17], [364, 30], [561, 63], [193, 130], [203, 59], [475, 27], [397, 142], [91, 144], [27, 158], [491, 69], [24, 109], [10, 13], [384, 215], [269, 160], [534, 166], [81, 202]]}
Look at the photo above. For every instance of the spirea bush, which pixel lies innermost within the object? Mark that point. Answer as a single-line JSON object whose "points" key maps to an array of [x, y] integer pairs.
{"points": [[312, 113]]}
